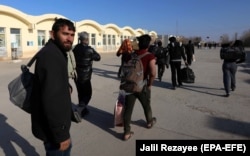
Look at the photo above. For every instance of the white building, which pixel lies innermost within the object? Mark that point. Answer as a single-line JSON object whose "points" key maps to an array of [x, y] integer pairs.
{"points": [[22, 35]]}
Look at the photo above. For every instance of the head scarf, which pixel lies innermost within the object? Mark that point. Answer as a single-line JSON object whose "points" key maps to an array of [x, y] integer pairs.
{"points": [[125, 47]]}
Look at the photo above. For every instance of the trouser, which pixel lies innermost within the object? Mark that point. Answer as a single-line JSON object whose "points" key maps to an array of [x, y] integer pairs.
{"points": [[229, 71], [175, 67], [144, 98], [189, 59], [53, 150], [84, 89], [161, 69]]}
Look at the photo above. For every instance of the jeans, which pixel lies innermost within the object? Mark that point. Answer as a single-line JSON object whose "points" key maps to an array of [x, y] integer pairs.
{"points": [[229, 71], [53, 150]]}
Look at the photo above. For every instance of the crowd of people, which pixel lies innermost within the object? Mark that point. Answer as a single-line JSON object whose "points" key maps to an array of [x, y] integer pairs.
{"points": [[51, 111]]}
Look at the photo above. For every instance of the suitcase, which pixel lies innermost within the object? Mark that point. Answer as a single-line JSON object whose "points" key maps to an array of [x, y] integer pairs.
{"points": [[118, 110], [187, 75]]}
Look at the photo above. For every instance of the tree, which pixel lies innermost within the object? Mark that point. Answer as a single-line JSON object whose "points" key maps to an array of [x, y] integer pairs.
{"points": [[246, 38]]}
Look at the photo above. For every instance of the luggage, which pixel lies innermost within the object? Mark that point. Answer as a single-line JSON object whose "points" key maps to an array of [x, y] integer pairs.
{"points": [[20, 88], [187, 75], [119, 108]]}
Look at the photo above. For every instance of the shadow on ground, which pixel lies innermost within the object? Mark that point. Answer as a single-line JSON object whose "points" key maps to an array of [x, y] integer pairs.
{"points": [[9, 136], [230, 126]]}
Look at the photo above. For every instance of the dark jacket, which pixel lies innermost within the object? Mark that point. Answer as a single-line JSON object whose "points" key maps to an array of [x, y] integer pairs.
{"points": [[161, 55], [50, 101], [189, 49], [241, 55], [84, 56], [176, 52]]}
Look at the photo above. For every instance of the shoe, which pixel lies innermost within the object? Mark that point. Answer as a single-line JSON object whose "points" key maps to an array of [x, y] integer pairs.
{"points": [[84, 112], [173, 88], [151, 123], [128, 136], [75, 117], [233, 88], [227, 95]]}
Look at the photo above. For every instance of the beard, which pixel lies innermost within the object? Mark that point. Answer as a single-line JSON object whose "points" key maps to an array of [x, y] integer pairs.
{"points": [[64, 46]]}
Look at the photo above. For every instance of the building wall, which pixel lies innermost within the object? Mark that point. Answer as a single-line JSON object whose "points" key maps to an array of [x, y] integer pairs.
{"points": [[22, 35]]}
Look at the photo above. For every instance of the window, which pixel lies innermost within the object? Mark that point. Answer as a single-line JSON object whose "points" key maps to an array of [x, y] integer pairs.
{"points": [[121, 39], [2, 37], [93, 39], [113, 39], [41, 37], [109, 39], [3, 51], [15, 38], [104, 39]]}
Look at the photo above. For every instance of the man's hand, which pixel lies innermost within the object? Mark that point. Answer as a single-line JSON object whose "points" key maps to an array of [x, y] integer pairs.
{"points": [[65, 145]]}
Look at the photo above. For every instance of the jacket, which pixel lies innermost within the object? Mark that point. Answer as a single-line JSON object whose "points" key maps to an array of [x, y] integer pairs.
{"points": [[162, 56], [84, 56], [176, 52], [50, 99]]}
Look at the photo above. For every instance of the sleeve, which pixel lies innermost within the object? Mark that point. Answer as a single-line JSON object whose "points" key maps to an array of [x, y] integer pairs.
{"points": [[96, 56], [243, 57], [183, 54]]}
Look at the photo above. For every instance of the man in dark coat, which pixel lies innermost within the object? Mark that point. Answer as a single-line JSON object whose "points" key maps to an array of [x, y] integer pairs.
{"points": [[189, 50], [84, 56], [51, 103], [162, 59], [176, 54]]}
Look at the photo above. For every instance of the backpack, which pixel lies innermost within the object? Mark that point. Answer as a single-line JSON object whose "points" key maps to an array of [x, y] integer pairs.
{"points": [[132, 75]]}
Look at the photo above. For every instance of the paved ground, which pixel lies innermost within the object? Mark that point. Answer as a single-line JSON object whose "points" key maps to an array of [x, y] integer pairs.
{"points": [[195, 111]]}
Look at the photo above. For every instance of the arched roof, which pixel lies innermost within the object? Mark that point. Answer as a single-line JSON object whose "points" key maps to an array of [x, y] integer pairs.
{"points": [[153, 33], [140, 31], [16, 14], [48, 17], [129, 29], [91, 23], [113, 26]]}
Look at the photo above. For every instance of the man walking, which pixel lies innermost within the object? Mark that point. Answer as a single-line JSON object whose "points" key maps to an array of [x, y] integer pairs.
{"points": [[84, 56]]}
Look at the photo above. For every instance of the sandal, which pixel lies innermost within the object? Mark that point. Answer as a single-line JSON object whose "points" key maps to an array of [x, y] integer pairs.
{"points": [[151, 123], [128, 136]]}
